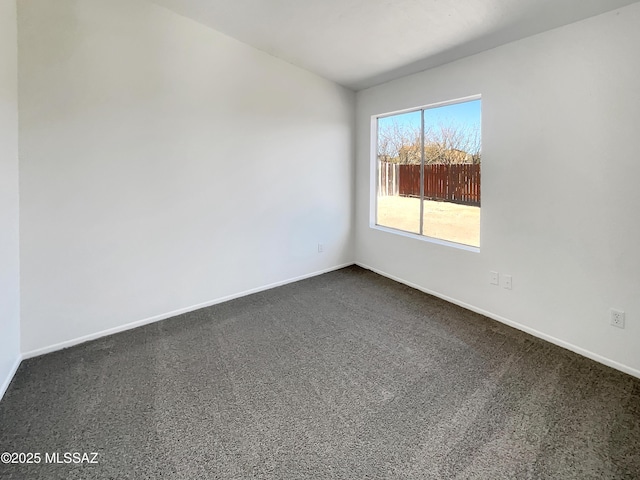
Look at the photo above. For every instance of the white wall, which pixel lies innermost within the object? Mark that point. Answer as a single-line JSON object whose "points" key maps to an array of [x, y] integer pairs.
{"points": [[165, 165], [9, 254], [560, 185]]}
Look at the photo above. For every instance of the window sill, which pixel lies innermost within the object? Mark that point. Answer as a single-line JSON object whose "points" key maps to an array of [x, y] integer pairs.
{"points": [[422, 238]]}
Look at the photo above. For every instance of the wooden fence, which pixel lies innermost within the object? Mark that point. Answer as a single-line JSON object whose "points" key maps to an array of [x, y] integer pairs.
{"points": [[458, 183], [388, 179]]}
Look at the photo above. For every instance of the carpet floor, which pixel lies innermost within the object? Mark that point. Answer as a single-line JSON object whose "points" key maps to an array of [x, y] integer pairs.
{"points": [[347, 375]]}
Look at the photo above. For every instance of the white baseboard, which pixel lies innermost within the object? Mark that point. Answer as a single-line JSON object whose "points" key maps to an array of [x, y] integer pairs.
{"points": [[163, 316], [516, 325], [12, 372], [556, 341]]}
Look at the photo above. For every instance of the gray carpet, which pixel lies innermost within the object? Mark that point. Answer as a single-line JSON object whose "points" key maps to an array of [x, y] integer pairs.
{"points": [[347, 375]]}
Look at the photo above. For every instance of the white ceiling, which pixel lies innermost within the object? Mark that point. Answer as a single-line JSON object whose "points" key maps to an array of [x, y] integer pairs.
{"points": [[360, 43]]}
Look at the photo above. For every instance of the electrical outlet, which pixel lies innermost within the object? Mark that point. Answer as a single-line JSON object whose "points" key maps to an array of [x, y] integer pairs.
{"points": [[494, 278], [617, 318], [320, 248], [507, 282]]}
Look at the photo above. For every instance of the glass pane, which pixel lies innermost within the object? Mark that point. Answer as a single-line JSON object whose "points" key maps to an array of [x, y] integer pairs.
{"points": [[453, 153], [398, 202], [453, 222]]}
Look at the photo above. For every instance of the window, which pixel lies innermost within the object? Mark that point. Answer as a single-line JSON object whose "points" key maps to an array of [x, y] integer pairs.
{"points": [[428, 171]]}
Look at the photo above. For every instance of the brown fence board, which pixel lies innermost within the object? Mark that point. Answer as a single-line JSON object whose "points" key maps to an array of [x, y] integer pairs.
{"points": [[458, 183]]}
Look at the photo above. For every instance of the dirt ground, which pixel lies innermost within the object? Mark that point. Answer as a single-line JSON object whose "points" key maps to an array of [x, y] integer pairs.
{"points": [[447, 221]]}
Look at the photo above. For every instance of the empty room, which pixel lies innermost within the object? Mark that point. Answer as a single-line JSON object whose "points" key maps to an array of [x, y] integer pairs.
{"points": [[290, 239]]}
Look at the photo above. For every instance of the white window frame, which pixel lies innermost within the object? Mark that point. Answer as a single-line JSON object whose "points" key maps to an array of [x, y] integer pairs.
{"points": [[373, 184]]}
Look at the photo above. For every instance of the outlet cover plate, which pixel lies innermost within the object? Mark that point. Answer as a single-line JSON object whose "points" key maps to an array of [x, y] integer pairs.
{"points": [[617, 318]]}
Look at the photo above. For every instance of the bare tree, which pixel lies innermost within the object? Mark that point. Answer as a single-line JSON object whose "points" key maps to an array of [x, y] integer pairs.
{"points": [[448, 142], [399, 143]]}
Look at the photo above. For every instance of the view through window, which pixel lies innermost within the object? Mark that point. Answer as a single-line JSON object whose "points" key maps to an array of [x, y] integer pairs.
{"points": [[428, 180]]}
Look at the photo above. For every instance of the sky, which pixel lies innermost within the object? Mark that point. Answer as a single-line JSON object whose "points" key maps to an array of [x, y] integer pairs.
{"points": [[467, 113]]}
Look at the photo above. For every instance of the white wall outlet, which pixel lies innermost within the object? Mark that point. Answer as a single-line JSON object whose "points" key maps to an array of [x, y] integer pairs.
{"points": [[494, 278], [320, 248], [507, 282], [617, 318]]}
